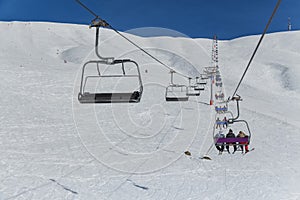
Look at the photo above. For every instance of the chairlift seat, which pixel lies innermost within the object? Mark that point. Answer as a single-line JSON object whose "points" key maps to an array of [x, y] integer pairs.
{"points": [[177, 98], [240, 140], [201, 83], [134, 97], [221, 109], [221, 122], [193, 93], [198, 88]]}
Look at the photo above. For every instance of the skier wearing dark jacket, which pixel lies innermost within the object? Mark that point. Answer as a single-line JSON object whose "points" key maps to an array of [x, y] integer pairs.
{"points": [[230, 134]]}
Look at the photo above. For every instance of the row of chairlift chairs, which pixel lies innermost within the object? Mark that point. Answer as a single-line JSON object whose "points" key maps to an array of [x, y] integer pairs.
{"points": [[225, 118], [174, 92], [179, 92]]}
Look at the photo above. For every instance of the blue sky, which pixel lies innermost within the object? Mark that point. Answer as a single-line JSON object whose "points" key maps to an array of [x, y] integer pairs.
{"points": [[194, 18]]}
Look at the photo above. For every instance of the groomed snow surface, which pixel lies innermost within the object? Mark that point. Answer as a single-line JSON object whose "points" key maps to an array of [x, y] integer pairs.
{"points": [[52, 147]]}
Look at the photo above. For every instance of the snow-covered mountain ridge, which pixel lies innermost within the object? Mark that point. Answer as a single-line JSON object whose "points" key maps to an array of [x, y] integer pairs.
{"points": [[46, 134]]}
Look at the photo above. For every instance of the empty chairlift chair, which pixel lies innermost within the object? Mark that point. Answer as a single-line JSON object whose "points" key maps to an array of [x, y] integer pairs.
{"points": [[192, 90], [201, 81], [176, 92], [210, 70], [109, 94], [204, 77], [200, 84]]}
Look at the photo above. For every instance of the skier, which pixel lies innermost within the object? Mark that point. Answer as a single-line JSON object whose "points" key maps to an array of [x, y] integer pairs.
{"points": [[216, 108], [230, 134], [218, 122], [225, 122], [221, 95], [243, 135], [219, 146]]}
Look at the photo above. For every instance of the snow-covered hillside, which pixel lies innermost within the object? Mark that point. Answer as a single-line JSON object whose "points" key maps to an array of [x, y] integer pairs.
{"points": [[52, 147]]}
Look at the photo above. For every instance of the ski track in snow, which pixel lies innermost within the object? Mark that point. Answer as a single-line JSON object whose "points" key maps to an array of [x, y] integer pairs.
{"points": [[44, 157]]}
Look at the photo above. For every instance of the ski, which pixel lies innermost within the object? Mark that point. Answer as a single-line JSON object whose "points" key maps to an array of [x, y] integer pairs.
{"points": [[205, 157]]}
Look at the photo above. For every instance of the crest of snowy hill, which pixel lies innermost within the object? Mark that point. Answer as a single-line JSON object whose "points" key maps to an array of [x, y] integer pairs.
{"points": [[51, 146]]}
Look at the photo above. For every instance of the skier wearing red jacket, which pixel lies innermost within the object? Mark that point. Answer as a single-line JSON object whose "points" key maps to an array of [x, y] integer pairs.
{"points": [[242, 135]]}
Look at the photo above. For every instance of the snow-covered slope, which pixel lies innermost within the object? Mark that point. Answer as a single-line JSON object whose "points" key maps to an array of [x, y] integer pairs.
{"points": [[52, 147]]}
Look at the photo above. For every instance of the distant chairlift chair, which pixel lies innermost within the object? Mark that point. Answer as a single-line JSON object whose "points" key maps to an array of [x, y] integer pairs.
{"points": [[218, 78], [176, 92], [219, 84], [200, 84], [210, 70], [108, 97], [204, 76], [192, 90]]}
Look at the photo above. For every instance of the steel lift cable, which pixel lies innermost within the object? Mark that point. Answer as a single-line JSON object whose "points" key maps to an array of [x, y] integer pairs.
{"points": [[105, 24], [257, 46]]}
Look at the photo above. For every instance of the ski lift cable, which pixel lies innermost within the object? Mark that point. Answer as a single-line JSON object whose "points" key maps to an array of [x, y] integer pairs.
{"points": [[146, 52], [260, 40], [84, 6], [130, 41]]}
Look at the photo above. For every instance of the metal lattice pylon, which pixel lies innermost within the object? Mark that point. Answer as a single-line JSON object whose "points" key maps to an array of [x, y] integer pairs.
{"points": [[214, 55]]}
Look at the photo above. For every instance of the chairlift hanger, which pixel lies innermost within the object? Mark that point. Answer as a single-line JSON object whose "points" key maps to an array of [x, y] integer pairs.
{"points": [[235, 119]]}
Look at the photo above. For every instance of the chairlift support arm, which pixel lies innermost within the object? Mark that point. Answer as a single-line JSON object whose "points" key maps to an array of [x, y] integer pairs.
{"points": [[232, 120], [108, 60]]}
